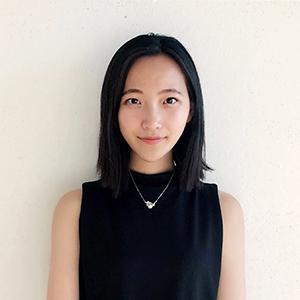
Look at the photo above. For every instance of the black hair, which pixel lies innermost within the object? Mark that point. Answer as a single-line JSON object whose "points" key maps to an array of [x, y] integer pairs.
{"points": [[114, 152]]}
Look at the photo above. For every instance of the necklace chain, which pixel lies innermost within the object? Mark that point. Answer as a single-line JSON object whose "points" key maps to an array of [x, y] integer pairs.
{"points": [[150, 204]]}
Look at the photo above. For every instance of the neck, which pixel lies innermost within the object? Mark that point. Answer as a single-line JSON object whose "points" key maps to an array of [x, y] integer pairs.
{"points": [[152, 167]]}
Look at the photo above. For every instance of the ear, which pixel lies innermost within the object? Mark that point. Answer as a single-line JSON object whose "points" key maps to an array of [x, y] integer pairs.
{"points": [[191, 113]]}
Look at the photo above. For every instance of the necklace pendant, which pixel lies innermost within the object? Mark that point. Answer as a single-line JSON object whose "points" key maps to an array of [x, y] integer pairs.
{"points": [[149, 204]]}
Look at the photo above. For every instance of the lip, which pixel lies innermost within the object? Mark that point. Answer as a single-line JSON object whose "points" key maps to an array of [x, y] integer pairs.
{"points": [[151, 137], [152, 140]]}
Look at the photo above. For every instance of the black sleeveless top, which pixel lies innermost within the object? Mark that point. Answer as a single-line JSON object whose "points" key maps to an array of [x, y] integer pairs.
{"points": [[130, 252]]}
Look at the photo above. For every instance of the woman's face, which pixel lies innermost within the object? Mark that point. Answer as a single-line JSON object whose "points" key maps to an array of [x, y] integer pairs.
{"points": [[146, 110]]}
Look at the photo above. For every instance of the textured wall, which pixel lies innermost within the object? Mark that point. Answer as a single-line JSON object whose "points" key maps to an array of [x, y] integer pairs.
{"points": [[53, 57]]}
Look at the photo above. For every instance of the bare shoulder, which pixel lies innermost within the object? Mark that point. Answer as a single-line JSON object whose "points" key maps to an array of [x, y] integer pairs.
{"points": [[63, 272], [69, 203], [230, 207], [232, 279]]}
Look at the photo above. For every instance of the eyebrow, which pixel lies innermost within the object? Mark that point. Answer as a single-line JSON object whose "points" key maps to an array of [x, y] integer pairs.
{"points": [[162, 91]]}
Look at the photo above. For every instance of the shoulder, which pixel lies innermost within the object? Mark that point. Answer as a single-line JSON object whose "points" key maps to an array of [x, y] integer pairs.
{"points": [[230, 207], [71, 200], [233, 235], [63, 273], [232, 277], [68, 207], [233, 222], [65, 225]]}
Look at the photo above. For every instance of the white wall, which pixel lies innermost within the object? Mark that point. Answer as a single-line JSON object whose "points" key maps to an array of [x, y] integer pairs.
{"points": [[53, 56]]}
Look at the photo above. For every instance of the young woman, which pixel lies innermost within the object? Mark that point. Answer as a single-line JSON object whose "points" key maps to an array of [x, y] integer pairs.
{"points": [[149, 227]]}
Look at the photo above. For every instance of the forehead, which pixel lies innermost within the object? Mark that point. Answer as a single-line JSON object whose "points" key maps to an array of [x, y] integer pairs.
{"points": [[159, 71]]}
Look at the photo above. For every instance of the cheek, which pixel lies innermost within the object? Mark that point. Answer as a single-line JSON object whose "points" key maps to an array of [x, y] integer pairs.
{"points": [[127, 122], [178, 118], [123, 118]]}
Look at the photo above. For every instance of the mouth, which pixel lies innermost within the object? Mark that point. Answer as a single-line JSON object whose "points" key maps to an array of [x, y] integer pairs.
{"points": [[152, 140]]}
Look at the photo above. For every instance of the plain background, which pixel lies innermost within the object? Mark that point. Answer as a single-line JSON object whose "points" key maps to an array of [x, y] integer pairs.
{"points": [[53, 57]]}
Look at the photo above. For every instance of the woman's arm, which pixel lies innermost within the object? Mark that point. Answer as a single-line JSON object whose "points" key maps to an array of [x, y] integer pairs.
{"points": [[232, 279], [63, 274]]}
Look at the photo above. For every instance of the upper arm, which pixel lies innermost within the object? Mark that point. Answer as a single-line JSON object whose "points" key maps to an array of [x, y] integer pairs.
{"points": [[63, 274], [232, 283]]}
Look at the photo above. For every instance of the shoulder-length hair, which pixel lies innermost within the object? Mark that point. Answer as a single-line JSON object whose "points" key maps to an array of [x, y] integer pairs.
{"points": [[114, 152]]}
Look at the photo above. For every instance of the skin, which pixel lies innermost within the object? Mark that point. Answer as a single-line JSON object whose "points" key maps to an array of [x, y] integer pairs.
{"points": [[149, 114]]}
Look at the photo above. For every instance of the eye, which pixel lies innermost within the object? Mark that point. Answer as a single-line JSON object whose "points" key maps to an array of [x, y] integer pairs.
{"points": [[134, 99], [126, 101], [172, 98]]}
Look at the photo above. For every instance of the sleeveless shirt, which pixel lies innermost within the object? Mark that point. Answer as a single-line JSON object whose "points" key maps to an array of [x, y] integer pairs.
{"points": [[130, 252]]}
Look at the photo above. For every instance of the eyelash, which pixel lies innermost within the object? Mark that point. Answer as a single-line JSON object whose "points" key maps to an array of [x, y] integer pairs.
{"points": [[125, 102]]}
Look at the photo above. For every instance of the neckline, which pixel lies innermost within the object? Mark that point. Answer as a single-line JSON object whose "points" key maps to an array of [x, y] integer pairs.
{"points": [[151, 185], [154, 179]]}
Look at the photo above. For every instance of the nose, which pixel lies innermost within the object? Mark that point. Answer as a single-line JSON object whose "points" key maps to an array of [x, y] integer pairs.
{"points": [[152, 119]]}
